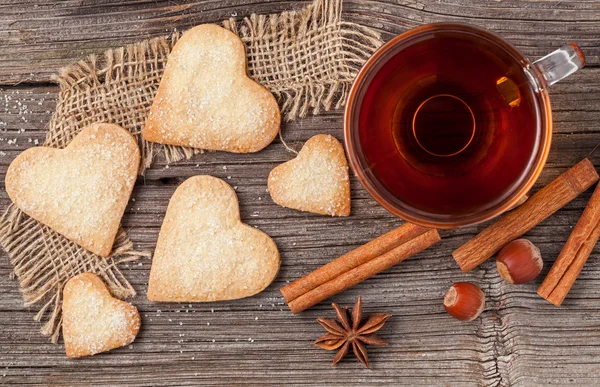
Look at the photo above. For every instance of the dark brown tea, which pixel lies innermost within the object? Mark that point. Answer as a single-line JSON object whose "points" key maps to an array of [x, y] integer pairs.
{"points": [[449, 124]]}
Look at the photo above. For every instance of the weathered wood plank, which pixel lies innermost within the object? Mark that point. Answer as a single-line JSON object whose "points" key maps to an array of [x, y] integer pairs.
{"points": [[37, 38], [520, 339]]}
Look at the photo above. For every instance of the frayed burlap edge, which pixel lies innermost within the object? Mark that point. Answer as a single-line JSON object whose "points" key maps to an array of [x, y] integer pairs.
{"points": [[43, 261], [307, 58], [351, 44]]}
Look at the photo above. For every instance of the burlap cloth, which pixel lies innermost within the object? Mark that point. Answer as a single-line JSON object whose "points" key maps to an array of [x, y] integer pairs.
{"points": [[307, 58]]}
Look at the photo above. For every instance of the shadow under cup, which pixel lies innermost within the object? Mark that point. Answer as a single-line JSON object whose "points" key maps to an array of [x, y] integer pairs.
{"points": [[445, 126]]}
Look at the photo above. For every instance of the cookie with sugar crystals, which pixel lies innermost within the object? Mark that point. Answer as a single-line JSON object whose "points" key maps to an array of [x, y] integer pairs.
{"points": [[206, 100], [316, 180], [94, 321], [204, 251], [80, 191]]}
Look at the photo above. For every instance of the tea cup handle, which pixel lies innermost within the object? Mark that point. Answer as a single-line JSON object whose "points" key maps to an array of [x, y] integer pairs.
{"points": [[561, 63]]}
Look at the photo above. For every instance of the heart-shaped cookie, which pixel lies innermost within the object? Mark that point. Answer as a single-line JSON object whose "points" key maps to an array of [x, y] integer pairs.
{"points": [[204, 251], [316, 180], [94, 321], [206, 100], [80, 191]]}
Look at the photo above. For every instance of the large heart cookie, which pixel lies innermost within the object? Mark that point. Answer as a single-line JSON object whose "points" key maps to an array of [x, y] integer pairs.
{"points": [[316, 180], [206, 100], [204, 252], [80, 191], [94, 321]]}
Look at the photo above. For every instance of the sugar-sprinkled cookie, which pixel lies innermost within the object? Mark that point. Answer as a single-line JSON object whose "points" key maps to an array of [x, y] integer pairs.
{"points": [[80, 191], [94, 321], [206, 100], [204, 251], [316, 180]]}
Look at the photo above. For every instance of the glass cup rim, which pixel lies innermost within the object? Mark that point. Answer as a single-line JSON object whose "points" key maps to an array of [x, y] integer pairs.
{"points": [[350, 136]]}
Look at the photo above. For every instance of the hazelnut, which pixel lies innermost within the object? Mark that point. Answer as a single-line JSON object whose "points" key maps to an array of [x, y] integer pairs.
{"points": [[464, 301], [519, 262]]}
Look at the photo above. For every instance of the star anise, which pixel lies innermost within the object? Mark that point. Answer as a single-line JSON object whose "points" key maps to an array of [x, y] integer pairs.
{"points": [[350, 330]]}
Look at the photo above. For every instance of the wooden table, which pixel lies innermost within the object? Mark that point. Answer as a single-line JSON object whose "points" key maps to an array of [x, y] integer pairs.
{"points": [[520, 339]]}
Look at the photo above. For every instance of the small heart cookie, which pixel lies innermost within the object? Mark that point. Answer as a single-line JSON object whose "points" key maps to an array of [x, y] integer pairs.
{"points": [[80, 191], [316, 180], [93, 320], [204, 251], [206, 100]]}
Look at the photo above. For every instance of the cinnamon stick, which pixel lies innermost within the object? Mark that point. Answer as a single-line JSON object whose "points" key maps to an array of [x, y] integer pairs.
{"points": [[354, 258], [364, 271], [544, 203], [574, 253]]}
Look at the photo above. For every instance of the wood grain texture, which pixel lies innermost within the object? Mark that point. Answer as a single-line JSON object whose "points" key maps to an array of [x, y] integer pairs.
{"points": [[520, 339]]}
